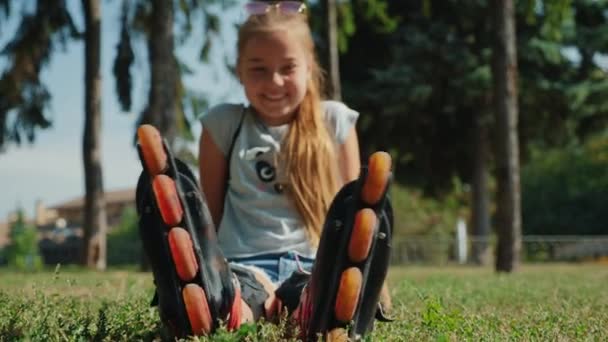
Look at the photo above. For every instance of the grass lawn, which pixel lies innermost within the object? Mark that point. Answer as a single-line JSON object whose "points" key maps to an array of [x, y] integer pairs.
{"points": [[565, 302]]}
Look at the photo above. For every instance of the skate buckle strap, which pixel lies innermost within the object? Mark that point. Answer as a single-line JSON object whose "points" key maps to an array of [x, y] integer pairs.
{"points": [[382, 316], [304, 312], [234, 320]]}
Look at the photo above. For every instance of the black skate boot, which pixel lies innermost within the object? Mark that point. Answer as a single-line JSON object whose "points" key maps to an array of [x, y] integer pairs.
{"points": [[340, 300], [195, 287]]}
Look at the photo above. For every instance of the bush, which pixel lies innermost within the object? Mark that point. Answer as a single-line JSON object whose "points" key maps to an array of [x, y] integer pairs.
{"points": [[124, 244], [416, 214], [427, 224], [2, 256], [564, 191], [22, 252]]}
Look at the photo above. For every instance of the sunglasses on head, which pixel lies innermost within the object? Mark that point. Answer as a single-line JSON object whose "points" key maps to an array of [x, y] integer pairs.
{"points": [[287, 7]]}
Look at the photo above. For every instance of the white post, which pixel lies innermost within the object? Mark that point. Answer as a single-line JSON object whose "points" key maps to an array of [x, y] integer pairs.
{"points": [[461, 241]]}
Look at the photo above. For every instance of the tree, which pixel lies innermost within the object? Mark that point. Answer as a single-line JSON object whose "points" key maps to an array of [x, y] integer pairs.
{"points": [[425, 82], [21, 91], [333, 23], [160, 110], [333, 58], [552, 206], [427, 85], [95, 219], [504, 74], [170, 107], [480, 199], [168, 99]]}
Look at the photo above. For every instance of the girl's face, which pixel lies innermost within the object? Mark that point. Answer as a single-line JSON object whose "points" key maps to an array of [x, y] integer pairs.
{"points": [[274, 69]]}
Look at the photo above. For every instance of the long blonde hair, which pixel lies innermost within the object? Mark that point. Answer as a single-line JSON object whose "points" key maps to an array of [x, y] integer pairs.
{"points": [[308, 152]]}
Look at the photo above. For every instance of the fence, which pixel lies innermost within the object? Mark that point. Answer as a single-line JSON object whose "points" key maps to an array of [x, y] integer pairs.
{"points": [[441, 250]]}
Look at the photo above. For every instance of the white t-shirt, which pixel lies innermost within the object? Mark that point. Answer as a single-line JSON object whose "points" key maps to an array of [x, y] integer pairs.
{"points": [[258, 217]]}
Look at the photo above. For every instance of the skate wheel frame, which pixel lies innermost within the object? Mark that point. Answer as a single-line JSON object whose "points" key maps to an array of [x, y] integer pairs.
{"points": [[159, 164], [360, 245], [378, 175], [182, 252], [165, 193], [152, 149], [348, 294], [197, 309], [362, 236]]}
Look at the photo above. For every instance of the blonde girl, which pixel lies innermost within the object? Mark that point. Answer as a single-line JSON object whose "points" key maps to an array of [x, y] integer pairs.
{"points": [[270, 171]]}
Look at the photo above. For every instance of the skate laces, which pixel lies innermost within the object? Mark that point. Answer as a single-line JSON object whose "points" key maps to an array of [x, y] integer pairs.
{"points": [[299, 264]]}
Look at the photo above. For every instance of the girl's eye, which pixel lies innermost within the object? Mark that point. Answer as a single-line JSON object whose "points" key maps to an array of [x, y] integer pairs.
{"points": [[288, 68], [257, 70]]}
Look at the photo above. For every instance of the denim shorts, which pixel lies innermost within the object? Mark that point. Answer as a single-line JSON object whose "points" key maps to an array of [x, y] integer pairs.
{"points": [[278, 266]]}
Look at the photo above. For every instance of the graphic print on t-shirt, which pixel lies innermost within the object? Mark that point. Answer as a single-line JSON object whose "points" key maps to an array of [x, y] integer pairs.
{"points": [[262, 158]]}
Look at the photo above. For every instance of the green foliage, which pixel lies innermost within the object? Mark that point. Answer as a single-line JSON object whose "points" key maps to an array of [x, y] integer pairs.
{"points": [[193, 18], [560, 95], [39, 34], [124, 244], [377, 13], [22, 252], [82, 306], [374, 12], [416, 214], [421, 87], [539, 303], [429, 221], [564, 190]]}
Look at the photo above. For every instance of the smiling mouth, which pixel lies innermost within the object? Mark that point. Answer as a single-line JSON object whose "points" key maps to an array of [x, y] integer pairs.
{"points": [[274, 98]]}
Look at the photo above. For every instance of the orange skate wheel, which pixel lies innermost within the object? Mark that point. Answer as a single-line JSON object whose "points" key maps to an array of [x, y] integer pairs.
{"points": [[337, 335], [182, 252], [378, 174], [362, 235], [348, 294], [165, 193], [197, 309], [152, 149]]}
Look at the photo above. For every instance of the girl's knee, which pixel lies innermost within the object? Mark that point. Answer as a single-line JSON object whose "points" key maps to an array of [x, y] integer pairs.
{"points": [[255, 291]]}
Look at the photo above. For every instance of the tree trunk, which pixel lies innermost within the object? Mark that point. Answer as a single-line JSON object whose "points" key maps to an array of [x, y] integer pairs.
{"points": [[504, 70], [95, 220], [161, 108], [480, 210], [333, 58]]}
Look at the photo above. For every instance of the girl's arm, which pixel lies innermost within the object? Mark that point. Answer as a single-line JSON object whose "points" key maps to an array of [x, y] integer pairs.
{"points": [[213, 176], [348, 154]]}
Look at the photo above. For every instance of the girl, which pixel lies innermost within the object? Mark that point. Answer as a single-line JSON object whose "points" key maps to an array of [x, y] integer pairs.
{"points": [[269, 172], [282, 161]]}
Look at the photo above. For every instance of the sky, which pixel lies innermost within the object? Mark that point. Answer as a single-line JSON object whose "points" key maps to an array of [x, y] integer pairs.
{"points": [[51, 169]]}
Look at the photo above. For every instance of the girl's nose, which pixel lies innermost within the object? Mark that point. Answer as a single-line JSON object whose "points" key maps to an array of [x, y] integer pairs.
{"points": [[277, 79]]}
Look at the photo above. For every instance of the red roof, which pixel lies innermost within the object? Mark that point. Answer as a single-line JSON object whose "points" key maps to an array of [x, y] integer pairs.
{"points": [[116, 196]]}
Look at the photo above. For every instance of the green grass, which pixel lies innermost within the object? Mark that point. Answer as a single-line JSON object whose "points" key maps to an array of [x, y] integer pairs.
{"points": [[538, 303]]}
